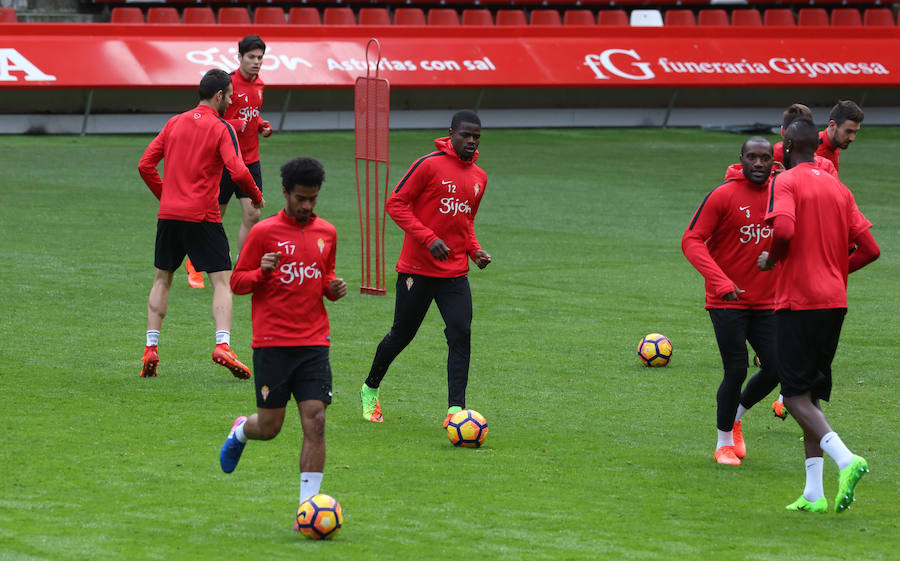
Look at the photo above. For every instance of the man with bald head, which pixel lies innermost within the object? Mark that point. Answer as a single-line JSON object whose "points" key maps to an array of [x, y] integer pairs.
{"points": [[813, 216], [722, 241]]}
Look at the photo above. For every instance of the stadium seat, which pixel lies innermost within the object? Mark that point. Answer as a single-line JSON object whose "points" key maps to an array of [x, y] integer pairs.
{"points": [[779, 17], [8, 15], [646, 18], [162, 15], [443, 16], [612, 17], [409, 16], [233, 15], [122, 14], [845, 16], [746, 16], [197, 15], [511, 17], [712, 17], [545, 17], [338, 16], [579, 17], [812, 16], [268, 15], [374, 16], [878, 16], [679, 17], [477, 17], [304, 16]]}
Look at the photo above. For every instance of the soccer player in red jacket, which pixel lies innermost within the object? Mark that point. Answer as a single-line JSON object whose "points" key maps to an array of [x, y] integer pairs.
{"points": [[844, 122], [435, 204], [288, 265], [243, 115], [722, 241], [195, 145], [813, 217]]}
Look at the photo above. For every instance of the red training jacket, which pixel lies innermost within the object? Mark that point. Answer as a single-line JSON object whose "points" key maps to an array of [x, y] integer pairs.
{"points": [[438, 198], [828, 150], [725, 236], [195, 145], [287, 308], [246, 103], [824, 163]]}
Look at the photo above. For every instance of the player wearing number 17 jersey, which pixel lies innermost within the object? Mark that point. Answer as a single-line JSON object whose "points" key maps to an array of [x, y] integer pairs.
{"points": [[435, 204], [722, 241]]}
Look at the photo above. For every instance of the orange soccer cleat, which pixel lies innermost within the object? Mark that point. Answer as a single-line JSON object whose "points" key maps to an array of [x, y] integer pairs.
{"points": [[195, 277], [150, 362], [225, 356], [726, 456], [740, 449]]}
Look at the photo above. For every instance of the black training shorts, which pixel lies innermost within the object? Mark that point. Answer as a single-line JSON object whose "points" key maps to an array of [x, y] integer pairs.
{"points": [[204, 242], [807, 341], [228, 187], [280, 372]]}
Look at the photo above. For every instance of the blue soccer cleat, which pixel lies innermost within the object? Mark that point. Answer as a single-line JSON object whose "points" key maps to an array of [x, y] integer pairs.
{"points": [[232, 449]]}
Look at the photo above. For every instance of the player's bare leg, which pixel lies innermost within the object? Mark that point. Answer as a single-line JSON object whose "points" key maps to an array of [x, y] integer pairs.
{"points": [[157, 305], [222, 307], [265, 424], [312, 452], [249, 217]]}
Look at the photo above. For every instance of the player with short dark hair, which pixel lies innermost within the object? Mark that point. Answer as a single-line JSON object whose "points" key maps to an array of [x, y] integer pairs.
{"points": [[843, 124], [813, 215], [195, 145], [435, 204], [244, 115], [288, 265], [724, 237]]}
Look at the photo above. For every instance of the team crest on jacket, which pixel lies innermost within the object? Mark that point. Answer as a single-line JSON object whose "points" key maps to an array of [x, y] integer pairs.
{"points": [[264, 392], [321, 243], [409, 283], [477, 188]]}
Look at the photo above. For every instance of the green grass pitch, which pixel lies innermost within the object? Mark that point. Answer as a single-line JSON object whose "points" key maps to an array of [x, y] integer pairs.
{"points": [[589, 456]]}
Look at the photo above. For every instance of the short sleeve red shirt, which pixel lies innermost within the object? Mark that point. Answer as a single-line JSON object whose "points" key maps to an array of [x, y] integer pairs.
{"points": [[828, 150], [813, 275]]}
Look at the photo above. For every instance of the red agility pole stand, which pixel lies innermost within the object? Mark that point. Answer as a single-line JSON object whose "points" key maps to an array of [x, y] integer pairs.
{"points": [[372, 127]]}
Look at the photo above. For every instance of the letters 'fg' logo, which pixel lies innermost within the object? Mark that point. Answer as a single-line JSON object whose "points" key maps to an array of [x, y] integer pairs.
{"points": [[619, 66]]}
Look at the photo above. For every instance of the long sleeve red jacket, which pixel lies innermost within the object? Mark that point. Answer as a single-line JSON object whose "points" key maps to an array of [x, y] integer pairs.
{"points": [[438, 197]]}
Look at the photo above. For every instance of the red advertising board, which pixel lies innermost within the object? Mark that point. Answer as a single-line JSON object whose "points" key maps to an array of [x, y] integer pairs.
{"points": [[175, 56]]}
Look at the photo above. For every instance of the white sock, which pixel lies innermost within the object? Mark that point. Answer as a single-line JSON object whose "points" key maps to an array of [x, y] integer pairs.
{"points": [[814, 489], [310, 481], [740, 412], [780, 398], [223, 336], [835, 448], [152, 337], [725, 439], [239, 432]]}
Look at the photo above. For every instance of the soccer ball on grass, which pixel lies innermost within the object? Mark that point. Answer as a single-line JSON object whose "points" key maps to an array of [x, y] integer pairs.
{"points": [[655, 350], [319, 517], [467, 428]]}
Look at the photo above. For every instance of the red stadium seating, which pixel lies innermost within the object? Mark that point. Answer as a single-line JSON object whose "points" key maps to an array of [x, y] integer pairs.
{"points": [[443, 16], [579, 17], [679, 17], [304, 16], [712, 17], [196, 15], [545, 17], [233, 15], [511, 17], [612, 17], [878, 16], [812, 16], [126, 15], [8, 15], [374, 16], [162, 15], [477, 17], [269, 15], [845, 16], [409, 16], [746, 16], [338, 16], [779, 17]]}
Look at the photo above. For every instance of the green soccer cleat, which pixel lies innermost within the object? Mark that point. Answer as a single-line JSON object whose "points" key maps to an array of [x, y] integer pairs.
{"points": [[371, 406], [820, 506], [849, 477], [450, 413]]}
